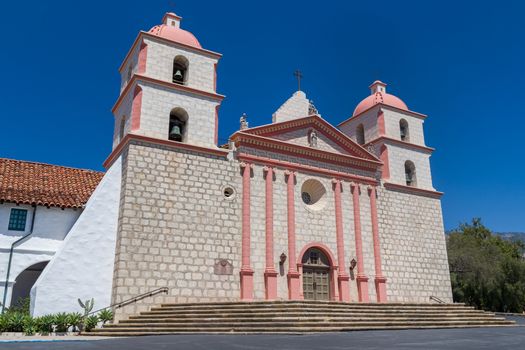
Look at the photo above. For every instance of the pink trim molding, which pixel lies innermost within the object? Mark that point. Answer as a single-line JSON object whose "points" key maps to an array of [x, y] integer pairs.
{"points": [[136, 108], [413, 190], [362, 279], [380, 280], [381, 122], [246, 270], [342, 278], [306, 168], [155, 141], [143, 55], [400, 143], [270, 275], [334, 295], [383, 154], [293, 274]]}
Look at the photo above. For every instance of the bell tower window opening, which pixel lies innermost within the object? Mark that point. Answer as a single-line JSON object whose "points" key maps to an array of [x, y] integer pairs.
{"points": [[180, 70], [403, 130], [360, 134], [410, 174], [178, 125]]}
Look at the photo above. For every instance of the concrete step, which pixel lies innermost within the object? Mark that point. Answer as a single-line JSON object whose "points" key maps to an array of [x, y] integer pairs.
{"points": [[297, 317], [305, 302]]}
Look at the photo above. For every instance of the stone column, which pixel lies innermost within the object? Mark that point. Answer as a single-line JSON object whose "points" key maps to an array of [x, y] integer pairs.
{"points": [[270, 275], [380, 280], [293, 274], [246, 272], [342, 277], [362, 279]]}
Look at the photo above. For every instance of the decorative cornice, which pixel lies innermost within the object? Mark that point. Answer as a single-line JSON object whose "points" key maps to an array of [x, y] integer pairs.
{"points": [[314, 120], [278, 146], [152, 36], [136, 78], [291, 167], [390, 140], [382, 105], [155, 141], [413, 190]]}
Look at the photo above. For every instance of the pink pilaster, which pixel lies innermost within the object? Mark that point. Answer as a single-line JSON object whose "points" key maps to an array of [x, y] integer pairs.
{"points": [[380, 280], [342, 277], [136, 108], [143, 54], [246, 272], [270, 275], [383, 155], [293, 275], [362, 279]]}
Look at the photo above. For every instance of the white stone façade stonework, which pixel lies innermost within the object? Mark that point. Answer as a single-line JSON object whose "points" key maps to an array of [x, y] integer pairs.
{"points": [[175, 223], [295, 107]]}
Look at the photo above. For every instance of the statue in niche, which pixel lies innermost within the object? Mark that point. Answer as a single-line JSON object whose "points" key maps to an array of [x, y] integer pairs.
{"points": [[312, 140], [223, 267]]}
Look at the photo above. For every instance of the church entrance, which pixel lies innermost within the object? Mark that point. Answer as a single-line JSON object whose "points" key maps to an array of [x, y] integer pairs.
{"points": [[316, 275]]}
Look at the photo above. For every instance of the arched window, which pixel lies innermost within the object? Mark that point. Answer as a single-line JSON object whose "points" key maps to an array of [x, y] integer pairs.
{"points": [[122, 128], [410, 174], [178, 123], [403, 130], [180, 70], [360, 134]]}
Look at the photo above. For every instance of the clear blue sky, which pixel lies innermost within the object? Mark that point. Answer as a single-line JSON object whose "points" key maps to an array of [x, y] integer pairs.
{"points": [[459, 62]]}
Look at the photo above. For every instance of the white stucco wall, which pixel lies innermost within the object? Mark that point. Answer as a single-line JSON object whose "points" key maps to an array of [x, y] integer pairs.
{"points": [[51, 225], [83, 266]]}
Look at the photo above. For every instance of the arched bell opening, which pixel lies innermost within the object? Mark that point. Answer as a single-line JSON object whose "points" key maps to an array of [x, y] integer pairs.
{"points": [[180, 70], [178, 125]]}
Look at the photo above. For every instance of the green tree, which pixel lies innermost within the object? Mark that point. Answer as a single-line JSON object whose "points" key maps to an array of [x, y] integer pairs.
{"points": [[486, 271]]}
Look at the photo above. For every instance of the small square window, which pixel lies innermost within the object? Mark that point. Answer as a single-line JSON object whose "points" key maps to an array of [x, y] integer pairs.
{"points": [[17, 219]]}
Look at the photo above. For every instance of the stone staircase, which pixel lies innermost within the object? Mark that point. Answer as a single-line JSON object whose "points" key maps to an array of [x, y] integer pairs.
{"points": [[296, 317]]}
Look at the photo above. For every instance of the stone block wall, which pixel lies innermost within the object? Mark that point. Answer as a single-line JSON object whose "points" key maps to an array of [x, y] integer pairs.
{"points": [[398, 155], [174, 224], [413, 247]]}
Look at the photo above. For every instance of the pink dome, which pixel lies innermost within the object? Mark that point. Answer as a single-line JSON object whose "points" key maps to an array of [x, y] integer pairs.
{"points": [[175, 34], [379, 95]]}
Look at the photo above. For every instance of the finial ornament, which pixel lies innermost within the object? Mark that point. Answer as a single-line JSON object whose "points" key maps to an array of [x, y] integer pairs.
{"points": [[244, 122], [312, 110]]}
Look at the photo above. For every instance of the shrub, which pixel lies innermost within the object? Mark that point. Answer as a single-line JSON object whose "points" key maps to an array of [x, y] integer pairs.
{"points": [[29, 325], [75, 320], [105, 315], [4, 323], [44, 324], [15, 321], [90, 322], [61, 321]]}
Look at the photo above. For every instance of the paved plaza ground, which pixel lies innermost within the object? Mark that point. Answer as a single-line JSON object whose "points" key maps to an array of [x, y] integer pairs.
{"points": [[464, 339]]}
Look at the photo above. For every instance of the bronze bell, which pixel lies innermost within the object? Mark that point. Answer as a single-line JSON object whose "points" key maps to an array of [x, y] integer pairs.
{"points": [[178, 76], [176, 132]]}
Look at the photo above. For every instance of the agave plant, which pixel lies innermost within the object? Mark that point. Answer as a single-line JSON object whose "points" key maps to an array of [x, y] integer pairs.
{"points": [[15, 322], [44, 324], [29, 325], [74, 319], [61, 321], [90, 322], [105, 315]]}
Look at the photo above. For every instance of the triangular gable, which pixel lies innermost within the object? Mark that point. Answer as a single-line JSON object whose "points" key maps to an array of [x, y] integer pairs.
{"points": [[292, 130]]}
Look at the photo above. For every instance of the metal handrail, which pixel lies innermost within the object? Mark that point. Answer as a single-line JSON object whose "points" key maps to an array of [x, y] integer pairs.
{"points": [[132, 300], [439, 301]]}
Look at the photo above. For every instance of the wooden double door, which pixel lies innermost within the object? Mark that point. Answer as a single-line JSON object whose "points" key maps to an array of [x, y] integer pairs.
{"points": [[316, 283]]}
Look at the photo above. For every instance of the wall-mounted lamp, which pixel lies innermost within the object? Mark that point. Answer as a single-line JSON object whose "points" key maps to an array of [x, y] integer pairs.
{"points": [[353, 264], [282, 259]]}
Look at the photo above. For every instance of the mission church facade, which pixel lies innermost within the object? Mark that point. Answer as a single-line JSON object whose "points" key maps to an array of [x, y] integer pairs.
{"points": [[295, 209]]}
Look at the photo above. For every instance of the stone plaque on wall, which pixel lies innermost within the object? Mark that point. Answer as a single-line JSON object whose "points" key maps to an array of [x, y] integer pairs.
{"points": [[223, 267]]}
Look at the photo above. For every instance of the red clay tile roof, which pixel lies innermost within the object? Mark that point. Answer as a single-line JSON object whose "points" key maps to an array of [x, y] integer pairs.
{"points": [[44, 184]]}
